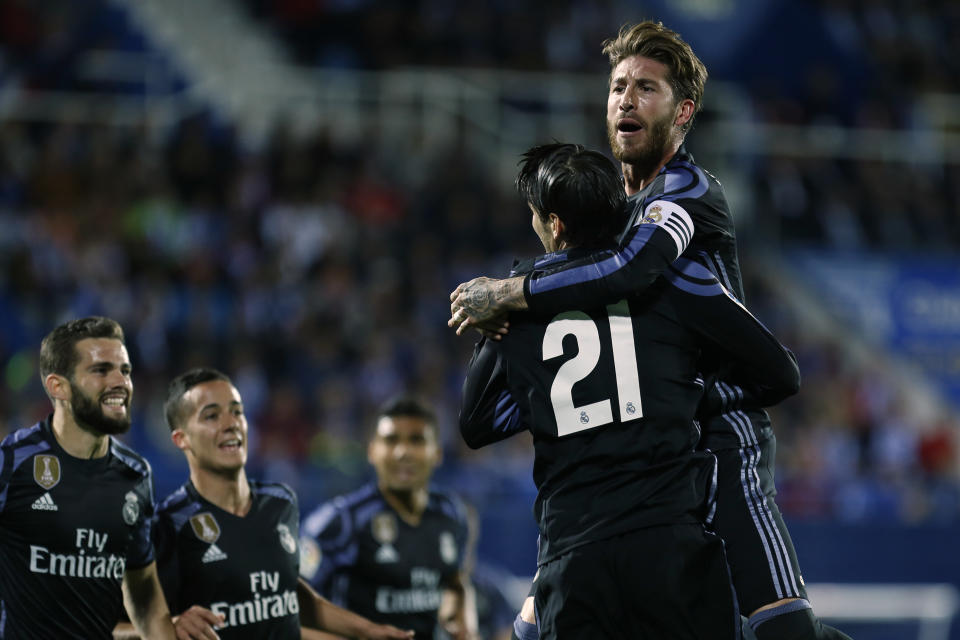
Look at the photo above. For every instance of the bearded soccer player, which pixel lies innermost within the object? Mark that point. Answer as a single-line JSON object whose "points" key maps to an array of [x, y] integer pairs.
{"points": [[229, 543], [655, 89], [610, 394], [75, 503], [394, 550]]}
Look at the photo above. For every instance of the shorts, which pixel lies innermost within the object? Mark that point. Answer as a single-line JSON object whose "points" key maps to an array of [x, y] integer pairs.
{"points": [[762, 559], [660, 582]]}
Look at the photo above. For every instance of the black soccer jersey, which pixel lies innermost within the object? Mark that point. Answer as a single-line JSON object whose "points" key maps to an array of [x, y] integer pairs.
{"points": [[69, 527], [362, 556], [682, 211], [245, 568], [610, 395]]}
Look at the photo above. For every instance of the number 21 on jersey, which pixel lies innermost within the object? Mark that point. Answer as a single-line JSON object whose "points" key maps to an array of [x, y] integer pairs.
{"points": [[571, 418]]}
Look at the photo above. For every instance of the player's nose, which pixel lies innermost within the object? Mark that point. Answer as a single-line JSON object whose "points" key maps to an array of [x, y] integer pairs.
{"points": [[117, 379]]}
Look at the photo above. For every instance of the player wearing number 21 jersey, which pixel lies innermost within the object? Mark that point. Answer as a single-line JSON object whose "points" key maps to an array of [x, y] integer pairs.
{"points": [[610, 395]]}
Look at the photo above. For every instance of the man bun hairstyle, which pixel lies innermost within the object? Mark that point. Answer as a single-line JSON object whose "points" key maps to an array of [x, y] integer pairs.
{"points": [[687, 75]]}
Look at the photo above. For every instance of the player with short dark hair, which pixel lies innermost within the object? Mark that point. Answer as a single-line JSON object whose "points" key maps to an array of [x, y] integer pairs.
{"points": [[75, 503], [655, 89], [610, 395], [394, 549], [229, 543]]}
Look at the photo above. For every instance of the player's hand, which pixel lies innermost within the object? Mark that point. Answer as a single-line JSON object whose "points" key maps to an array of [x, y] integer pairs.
{"points": [[386, 632], [528, 613], [197, 623], [478, 304], [493, 329]]}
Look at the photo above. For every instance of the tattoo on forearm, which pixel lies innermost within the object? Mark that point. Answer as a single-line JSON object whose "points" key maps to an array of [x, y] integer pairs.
{"points": [[509, 294], [484, 298]]}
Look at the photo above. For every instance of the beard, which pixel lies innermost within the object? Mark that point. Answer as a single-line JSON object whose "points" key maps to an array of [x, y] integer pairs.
{"points": [[646, 158], [89, 416]]}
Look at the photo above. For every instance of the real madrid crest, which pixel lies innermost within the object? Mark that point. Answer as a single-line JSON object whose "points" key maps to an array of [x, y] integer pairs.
{"points": [[46, 471], [384, 529], [131, 508], [287, 540], [205, 527], [653, 215]]}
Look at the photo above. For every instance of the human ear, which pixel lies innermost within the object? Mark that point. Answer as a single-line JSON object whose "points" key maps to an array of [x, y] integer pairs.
{"points": [[179, 439], [57, 387], [556, 226], [684, 112]]}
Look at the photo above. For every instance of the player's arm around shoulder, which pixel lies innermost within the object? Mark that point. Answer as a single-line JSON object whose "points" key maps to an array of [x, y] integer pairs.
{"points": [[661, 232]]}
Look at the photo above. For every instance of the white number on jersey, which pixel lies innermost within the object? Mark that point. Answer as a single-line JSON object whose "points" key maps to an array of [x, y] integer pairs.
{"points": [[570, 418]]}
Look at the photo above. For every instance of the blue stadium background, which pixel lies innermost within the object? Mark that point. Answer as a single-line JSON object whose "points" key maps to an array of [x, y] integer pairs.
{"points": [[300, 226]]}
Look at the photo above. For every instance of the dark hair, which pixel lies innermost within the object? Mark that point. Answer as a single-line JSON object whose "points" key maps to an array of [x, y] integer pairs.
{"points": [[687, 75], [406, 406], [173, 407], [58, 351], [581, 186]]}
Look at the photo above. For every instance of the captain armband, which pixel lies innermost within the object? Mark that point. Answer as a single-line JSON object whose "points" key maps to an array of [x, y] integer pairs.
{"points": [[673, 219]]}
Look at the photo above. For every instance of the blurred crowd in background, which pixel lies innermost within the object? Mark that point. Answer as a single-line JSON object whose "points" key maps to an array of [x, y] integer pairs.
{"points": [[317, 275]]}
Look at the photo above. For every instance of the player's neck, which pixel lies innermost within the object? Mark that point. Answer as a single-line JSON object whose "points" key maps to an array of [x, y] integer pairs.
{"points": [[229, 491], [409, 505], [636, 178], [74, 439]]}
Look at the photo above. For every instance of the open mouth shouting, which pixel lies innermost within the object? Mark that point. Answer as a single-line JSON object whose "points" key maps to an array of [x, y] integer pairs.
{"points": [[627, 127]]}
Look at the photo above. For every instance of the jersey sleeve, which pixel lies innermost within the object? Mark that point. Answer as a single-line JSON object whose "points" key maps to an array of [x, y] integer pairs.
{"points": [[327, 545], [661, 233], [488, 411], [290, 520], [140, 551], [758, 361], [168, 560]]}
